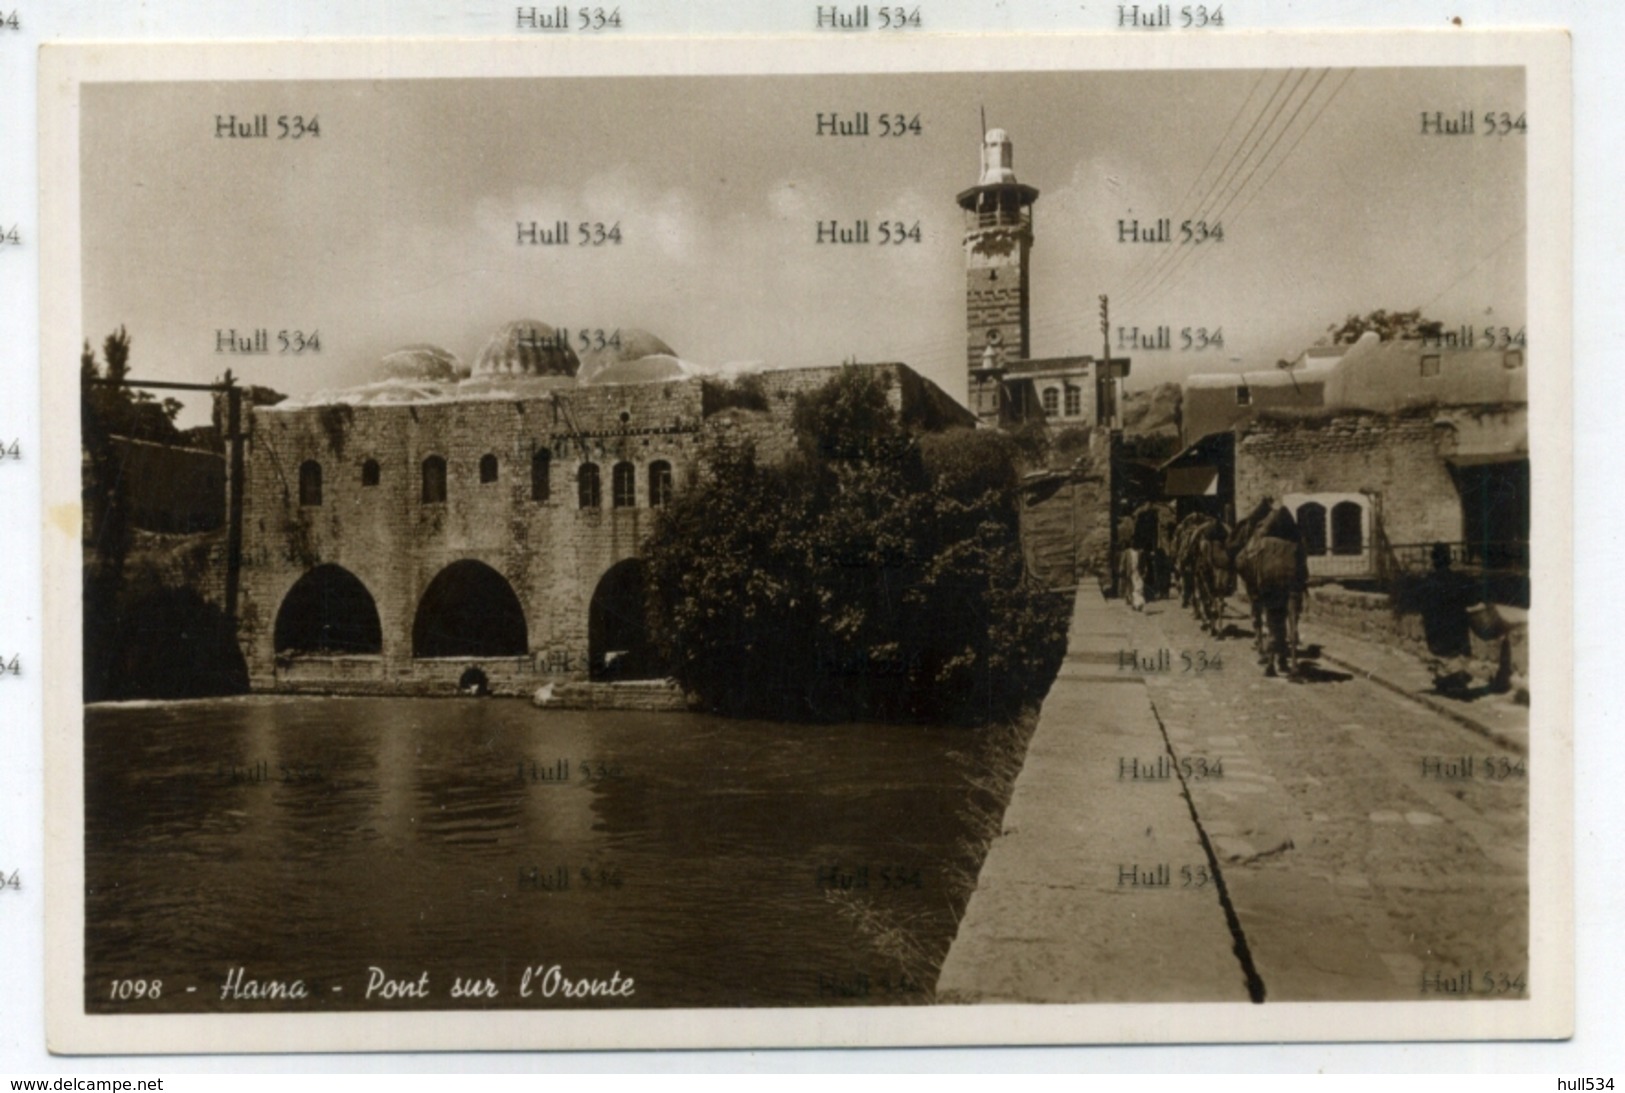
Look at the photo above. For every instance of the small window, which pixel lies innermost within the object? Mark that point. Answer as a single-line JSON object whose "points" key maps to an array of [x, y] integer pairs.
{"points": [[1348, 528], [310, 482], [659, 484], [541, 475], [1312, 528], [1513, 359], [1430, 364], [369, 473], [1074, 401], [626, 485], [488, 469], [434, 481], [588, 488], [1052, 400], [1244, 395]]}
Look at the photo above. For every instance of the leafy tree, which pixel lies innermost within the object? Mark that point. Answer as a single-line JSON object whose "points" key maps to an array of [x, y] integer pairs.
{"points": [[1389, 325], [876, 575], [108, 412]]}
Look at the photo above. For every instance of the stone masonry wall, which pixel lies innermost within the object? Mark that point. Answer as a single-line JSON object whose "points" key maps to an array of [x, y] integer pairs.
{"points": [[552, 553], [1395, 459]]}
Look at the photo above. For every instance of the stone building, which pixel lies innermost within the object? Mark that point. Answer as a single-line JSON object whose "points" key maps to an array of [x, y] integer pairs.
{"points": [[401, 533], [1389, 448], [1006, 385]]}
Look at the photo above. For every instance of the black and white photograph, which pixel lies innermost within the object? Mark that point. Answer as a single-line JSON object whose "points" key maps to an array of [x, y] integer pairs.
{"points": [[1007, 542]]}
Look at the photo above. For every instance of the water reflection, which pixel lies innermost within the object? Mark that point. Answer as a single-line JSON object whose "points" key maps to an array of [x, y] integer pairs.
{"points": [[311, 839]]}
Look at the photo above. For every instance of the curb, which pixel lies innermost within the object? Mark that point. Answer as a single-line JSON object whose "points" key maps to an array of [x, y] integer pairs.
{"points": [[1431, 703]]}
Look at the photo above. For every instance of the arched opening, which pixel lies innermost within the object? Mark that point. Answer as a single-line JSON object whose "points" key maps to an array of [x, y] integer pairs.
{"points": [[329, 612], [589, 490], [434, 480], [659, 484], [1312, 526], [1348, 528], [369, 473], [469, 610], [310, 483], [625, 478], [541, 475], [618, 641], [488, 469]]}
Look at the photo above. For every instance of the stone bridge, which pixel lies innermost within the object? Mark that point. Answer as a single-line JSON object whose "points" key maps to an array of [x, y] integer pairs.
{"points": [[392, 547]]}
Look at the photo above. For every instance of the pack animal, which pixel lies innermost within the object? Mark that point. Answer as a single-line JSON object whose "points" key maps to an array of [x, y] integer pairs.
{"points": [[1267, 552]]}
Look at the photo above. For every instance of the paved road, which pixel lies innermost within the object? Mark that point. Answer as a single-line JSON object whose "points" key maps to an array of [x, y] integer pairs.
{"points": [[1369, 847]]}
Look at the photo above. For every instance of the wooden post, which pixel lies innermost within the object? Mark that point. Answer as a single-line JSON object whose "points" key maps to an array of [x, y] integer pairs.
{"points": [[234, 498]]}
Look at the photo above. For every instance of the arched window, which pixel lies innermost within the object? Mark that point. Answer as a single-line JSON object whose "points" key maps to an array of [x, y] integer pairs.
{"points": [[1074, 401], [541, 475], [1052, 400], [369, 473], [625, 478], [1348, 528], [588, 488], [488, 468], [434, 481], [310, 483], [659, 484], [1312, 526]]}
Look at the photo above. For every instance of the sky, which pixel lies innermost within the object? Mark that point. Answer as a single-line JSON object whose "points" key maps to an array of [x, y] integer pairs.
{"points": [[397, 225]]}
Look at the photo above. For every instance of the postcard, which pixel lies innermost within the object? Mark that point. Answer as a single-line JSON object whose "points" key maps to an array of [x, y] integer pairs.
{"points": [[867, 538]]}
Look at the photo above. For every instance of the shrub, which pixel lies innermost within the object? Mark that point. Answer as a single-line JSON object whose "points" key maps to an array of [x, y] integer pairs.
{"points": [[875, 576]]}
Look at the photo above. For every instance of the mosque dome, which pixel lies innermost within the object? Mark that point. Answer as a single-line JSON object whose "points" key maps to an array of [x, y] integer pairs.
{"points": [[420, 362], [655, 368], [634, 345], [527, 348]]}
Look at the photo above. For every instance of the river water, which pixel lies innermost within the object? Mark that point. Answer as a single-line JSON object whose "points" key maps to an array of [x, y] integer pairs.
{"points": [[356, 844]]}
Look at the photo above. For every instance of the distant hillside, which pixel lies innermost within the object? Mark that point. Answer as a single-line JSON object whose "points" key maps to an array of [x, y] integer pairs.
{"points": [[1153, 411], [1151, 423]]}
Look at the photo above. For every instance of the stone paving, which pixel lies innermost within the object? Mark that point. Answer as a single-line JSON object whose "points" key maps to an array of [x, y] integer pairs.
{"points": [[1356, 843]]}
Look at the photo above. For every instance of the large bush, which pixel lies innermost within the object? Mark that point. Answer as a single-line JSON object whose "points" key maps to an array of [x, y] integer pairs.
{"points": [[877, 574]]}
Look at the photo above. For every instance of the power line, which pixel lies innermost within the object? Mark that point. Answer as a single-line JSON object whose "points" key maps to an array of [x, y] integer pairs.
{"points": [[1210, 214], [1474, 269], [1218, 214], [1230, 169], [1134, 272]]}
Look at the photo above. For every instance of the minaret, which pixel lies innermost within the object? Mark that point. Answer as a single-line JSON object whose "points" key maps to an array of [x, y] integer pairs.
{"points": [[998, 239]]}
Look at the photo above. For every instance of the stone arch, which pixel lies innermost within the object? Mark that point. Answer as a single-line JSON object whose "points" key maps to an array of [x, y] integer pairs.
{"points": [[310, 483], [589, 489], [541, 475], [624, 485], [1312, 526], [469, 610], [619, 645], [1348, 528], [434, 480], [329, 612], [659, 483]]}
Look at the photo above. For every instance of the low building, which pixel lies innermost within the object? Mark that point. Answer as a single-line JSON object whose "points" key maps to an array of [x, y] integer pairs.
{"points": [[399, 534], [1404, 444]]}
